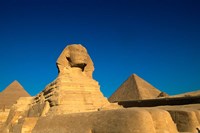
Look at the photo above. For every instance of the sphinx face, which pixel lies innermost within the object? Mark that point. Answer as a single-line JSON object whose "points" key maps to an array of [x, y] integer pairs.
{"points": [[78, 57]]}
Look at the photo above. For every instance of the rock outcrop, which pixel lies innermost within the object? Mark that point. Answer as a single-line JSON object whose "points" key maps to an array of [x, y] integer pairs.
{"points": [[135, 88]]}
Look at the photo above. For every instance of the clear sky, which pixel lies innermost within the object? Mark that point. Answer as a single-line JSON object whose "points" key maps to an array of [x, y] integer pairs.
{"points": [[159, 40]]}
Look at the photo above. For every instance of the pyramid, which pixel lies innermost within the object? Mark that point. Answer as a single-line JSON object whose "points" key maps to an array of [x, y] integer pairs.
{"points": [[134, 88], [188, 94], [11, 94]]}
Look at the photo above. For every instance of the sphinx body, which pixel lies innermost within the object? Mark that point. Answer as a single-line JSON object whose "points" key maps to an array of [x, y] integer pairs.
{"points": [[74, 90]]}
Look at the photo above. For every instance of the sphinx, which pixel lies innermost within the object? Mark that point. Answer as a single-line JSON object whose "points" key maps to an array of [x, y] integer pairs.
{"points": [[74, 90]]}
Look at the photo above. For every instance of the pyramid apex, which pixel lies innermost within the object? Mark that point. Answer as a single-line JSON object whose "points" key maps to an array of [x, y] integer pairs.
{"points": [[134, 88], [134, 75], [15, 81], [11, 93], [15, 87]]}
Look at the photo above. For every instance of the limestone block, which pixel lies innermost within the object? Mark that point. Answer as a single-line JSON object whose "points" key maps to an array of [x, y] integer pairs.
{"points": [[35, 110], [163, 122], [29, 124], [3, 116], [197, 112], [186, 120], [109, 121], [24, 125], [19, 109], [17, 112]]}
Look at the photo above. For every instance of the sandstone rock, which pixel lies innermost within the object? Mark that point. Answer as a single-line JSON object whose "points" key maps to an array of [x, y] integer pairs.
{"points": [[163, 122], [11, 94], [134, 88]]}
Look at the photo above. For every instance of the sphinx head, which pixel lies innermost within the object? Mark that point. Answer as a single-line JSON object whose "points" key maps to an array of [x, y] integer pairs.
{"points": [[75, 56]]}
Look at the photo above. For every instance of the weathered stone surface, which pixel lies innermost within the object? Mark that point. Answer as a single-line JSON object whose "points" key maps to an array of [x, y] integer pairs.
{"points": [[110, 121], [3, 116], [9, 97], [135, 88], [186, 117], [11, 94], [17, 114], [76, 56], [163, 122], [186, 120], [29, 124], [74, 90]]}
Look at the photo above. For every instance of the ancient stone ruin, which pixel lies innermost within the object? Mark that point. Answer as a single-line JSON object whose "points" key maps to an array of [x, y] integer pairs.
{"points": [[73, 103], [74, 90], [8, 97], [11, 94], [135, 88]]}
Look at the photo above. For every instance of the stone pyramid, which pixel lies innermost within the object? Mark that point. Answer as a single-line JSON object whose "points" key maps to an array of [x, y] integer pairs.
{"points": [[188, 94], [11, 94], [134, 88]]}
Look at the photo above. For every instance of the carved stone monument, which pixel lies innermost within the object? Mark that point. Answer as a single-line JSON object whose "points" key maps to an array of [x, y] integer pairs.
{"points": [[74, 90]]}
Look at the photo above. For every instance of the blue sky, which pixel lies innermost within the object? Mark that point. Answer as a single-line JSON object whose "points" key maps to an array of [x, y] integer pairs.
{"points": [[157, 40]]}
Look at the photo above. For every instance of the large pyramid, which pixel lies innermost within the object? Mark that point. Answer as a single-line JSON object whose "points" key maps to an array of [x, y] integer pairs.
{"points": [[11, 94], [134, 88]]}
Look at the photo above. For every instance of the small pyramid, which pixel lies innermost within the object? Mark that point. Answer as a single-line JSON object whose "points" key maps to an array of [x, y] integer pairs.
{"points": [[134, 88], [11, 94], [188, 94]]}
